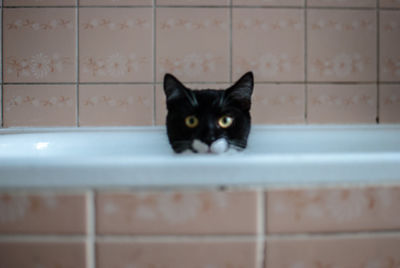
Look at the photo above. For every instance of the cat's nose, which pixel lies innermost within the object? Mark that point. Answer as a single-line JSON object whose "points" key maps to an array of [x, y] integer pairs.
{"points": [[209, 139]]}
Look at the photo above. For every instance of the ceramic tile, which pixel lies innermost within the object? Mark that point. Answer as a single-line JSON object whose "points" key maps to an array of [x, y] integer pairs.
{"points": [[389, 45], [174, 212], [298, 3], [333, 210], [44, 255], [115, 105], [201, 53], [389, 104], [39, 105], [216, 254], [116, 45], [389, 3], [353, 58], [278, 104], [342, 3], [39, 45], [335, 251], [342, 104], [193, 2], [45, 213], [161, 107], [39, 2], [116, 2], [270, 43]]}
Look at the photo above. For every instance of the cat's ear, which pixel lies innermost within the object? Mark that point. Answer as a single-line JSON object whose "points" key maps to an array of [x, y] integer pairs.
{"points": [[241, 91], [173, 88]]}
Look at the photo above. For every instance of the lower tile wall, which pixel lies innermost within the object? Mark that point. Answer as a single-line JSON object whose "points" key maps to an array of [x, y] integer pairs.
{"points": [[357, 227]]}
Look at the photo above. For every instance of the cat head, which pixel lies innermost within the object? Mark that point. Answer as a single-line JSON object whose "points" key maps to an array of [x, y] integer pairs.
{"points": [[208, 120]]}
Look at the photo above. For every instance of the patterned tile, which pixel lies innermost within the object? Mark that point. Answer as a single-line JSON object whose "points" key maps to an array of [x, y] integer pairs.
{"points": [[201, 53], [333, 210], [270, 43], [353, 58], [45, 213], [342, 3], [208, 212], [389, 104], [115, 45], [335, 251], [193, 2], [115, 2], [278, 104], [39, 105], [389, 3], [389, 45], [39, 45], [115, 105], [298, 3], [39, 2], [216, 254], [342, 104], [43, 255]]}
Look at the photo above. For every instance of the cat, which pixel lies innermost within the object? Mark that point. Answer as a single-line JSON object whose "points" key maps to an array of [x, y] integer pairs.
{"points": [[208, 120]]}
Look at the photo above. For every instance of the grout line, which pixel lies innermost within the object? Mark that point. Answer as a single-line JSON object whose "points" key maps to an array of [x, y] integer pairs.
{"points": [[174, 238], [1, 69], [305, 63], [260, 254], [208, 6], [67, 238], [378, 55], [333, 235], [77, 69], [206, 83], [39, 238], [154, 63], [91, 232], [230, 42]]}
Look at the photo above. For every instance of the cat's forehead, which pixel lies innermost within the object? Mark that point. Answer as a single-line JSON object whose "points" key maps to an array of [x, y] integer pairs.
{"points": [[208, 96]]}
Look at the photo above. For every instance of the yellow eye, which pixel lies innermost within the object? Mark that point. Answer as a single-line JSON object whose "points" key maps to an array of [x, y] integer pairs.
{"points": [[225, 121], [191, 121]]}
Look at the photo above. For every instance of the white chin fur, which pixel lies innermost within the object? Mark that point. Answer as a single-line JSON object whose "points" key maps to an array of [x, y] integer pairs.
{"points": [[217, 147]]}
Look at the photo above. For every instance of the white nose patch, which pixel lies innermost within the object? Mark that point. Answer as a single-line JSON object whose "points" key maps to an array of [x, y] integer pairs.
{"points": [[217, 147]]}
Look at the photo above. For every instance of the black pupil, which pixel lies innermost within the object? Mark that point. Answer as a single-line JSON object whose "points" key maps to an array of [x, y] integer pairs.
{"points": [[225, 120], [191, 120]]}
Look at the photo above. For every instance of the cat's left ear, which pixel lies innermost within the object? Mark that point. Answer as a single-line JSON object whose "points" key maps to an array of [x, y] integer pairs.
{"points": [[241, 91], [173, 87]]}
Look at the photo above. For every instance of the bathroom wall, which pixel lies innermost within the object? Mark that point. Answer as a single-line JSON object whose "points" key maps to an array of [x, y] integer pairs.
{"points": [[353, 227], [101, 62]]}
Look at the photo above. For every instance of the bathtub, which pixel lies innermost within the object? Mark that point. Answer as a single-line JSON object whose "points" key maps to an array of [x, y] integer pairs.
{"points": [[142, 157]]}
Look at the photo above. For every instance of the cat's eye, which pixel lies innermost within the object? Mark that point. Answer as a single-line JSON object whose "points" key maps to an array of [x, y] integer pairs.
{"points": [[225, 121], [191, 121]]}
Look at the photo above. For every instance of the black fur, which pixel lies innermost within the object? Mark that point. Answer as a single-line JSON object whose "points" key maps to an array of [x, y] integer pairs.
{"points": [[208, 106]]}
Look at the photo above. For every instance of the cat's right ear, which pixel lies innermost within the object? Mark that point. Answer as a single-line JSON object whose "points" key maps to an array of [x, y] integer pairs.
{"points": [[173, 88]]}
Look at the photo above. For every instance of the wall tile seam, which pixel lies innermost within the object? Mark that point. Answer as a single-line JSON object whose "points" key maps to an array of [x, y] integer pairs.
{"points": [[154, 37], [216, 7], [90, 229], [377, 62], [77, 67], [128, 238], [305, 62], [1, 68], [200, 83], [261, 228]]}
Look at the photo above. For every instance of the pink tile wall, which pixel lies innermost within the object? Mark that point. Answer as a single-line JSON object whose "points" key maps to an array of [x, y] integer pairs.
{"points": [[301, 53], [175, 212], [323, 227]]}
